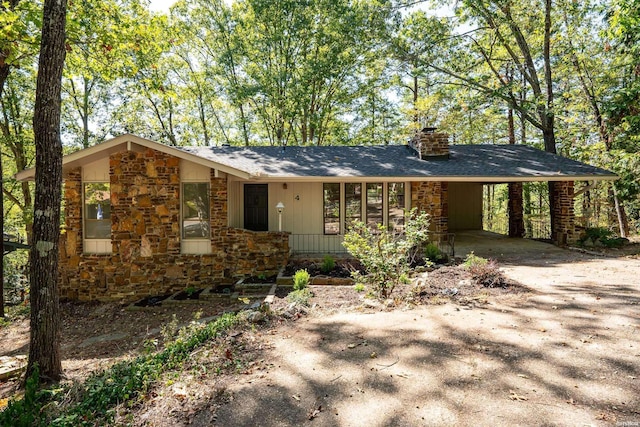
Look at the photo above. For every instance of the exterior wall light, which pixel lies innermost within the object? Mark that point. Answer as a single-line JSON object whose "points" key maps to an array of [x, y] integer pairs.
{"points": [[280, 208]]}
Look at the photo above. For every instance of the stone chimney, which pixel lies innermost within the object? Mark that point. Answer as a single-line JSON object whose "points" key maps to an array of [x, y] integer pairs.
{"points": [[430, 145]]}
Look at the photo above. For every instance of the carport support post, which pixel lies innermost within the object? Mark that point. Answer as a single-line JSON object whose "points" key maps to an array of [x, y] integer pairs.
{"points": [[563, 230], [515, 210]]}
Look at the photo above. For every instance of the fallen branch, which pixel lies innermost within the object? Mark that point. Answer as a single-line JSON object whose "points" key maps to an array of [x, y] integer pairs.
{"points": [[388, 366]]}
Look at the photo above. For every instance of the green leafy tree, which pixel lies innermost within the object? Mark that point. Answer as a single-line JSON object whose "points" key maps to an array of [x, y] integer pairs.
{"points": [[110, 43], [421, 40]]}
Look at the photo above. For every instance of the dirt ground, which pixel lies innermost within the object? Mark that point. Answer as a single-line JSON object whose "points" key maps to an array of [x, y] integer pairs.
{"points": [[561, 349], [566, 354], [94, 336]]}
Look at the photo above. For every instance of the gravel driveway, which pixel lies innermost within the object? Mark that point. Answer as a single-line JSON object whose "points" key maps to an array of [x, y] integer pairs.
{"points": [[567, 354]]}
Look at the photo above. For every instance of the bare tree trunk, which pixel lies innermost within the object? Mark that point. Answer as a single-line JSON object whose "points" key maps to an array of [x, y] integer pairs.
{"points": [[515, 206], [621, 215], [44, 346], [1, 241]]}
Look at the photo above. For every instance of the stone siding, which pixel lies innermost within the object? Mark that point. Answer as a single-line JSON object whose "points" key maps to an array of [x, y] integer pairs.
{"points": [[563, 229], [145, 236], [432, 197]]}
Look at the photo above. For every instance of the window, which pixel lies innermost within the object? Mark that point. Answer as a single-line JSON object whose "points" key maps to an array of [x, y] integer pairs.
{"points": [[353, 203], [374, 205], [195, 210], [331, 208], [97, 210], [380, 203], [396, 206]]}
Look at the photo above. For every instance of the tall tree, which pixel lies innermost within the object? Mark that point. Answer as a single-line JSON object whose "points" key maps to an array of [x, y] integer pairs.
{"points": [[621, 109], [44, 345], [421, 39], [520, 33], [593, 68]]}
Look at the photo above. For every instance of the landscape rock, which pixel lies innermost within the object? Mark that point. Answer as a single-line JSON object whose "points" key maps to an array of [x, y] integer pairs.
{"points": [[371, 303], [255, 317]]}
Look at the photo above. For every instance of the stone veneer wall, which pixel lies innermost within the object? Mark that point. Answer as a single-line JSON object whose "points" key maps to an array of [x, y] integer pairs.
{"points": [[563, 230], [145, 232], [433, 198]]}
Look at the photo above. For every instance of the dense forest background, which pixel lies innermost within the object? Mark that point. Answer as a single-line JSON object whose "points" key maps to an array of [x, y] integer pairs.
{"points": [[560, 75]]}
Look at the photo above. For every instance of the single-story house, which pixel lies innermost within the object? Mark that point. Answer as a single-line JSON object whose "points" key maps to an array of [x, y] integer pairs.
{"points": [[143, 218]]}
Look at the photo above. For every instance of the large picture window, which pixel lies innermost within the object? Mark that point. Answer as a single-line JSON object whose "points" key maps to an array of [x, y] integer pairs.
{"points": [[195, 210], [380, 203], [331, 208], [97, 210], [396, 205]]}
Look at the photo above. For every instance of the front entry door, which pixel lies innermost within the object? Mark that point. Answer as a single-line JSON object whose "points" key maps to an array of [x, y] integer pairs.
{"points": [[256, 207]]}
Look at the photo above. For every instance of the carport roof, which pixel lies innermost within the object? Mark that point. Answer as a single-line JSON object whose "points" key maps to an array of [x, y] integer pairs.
{"points": [[487, 163]]}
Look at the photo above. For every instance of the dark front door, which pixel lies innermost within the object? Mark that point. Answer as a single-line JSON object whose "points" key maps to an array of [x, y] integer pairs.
{"points": [[256, 207]]}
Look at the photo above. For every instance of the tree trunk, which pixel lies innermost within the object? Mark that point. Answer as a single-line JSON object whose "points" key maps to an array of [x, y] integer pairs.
{"points": [[623, 225], [515, 207], [1, 241], [44, 346]]}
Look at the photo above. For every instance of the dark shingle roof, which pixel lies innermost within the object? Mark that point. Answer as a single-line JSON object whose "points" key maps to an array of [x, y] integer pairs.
{"points": [[511, 162]]}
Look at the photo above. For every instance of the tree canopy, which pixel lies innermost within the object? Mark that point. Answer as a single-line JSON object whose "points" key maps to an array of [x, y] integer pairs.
{"points": [[300, 72]]}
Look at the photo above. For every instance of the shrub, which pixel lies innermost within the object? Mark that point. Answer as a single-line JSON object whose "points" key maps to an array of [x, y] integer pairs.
{"points": [[601, 236], [385, 255], [301, 279], [433, 253], [328, 264], [25, 412], [473, 260], [485, 272], [300, 296], [359, 287]]}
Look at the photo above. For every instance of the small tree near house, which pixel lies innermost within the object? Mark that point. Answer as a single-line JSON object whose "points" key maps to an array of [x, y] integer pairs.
{"points": [[387, 255]]}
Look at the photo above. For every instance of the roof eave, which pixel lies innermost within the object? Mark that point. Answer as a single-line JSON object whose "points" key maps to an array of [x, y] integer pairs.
{"points": [[479, 178], [129, 142]]}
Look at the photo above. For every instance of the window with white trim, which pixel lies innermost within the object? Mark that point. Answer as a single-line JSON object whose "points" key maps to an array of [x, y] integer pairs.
{"points": [[97, 210], [195, 210]]}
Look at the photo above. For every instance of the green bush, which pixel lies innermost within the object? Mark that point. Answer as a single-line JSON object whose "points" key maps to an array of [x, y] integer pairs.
{"points": [[359, 287], [328, 264], [433, 253], [386, 255], [473, 260], [300, 296], [26, 411], [601, 236], [301, 279]]}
